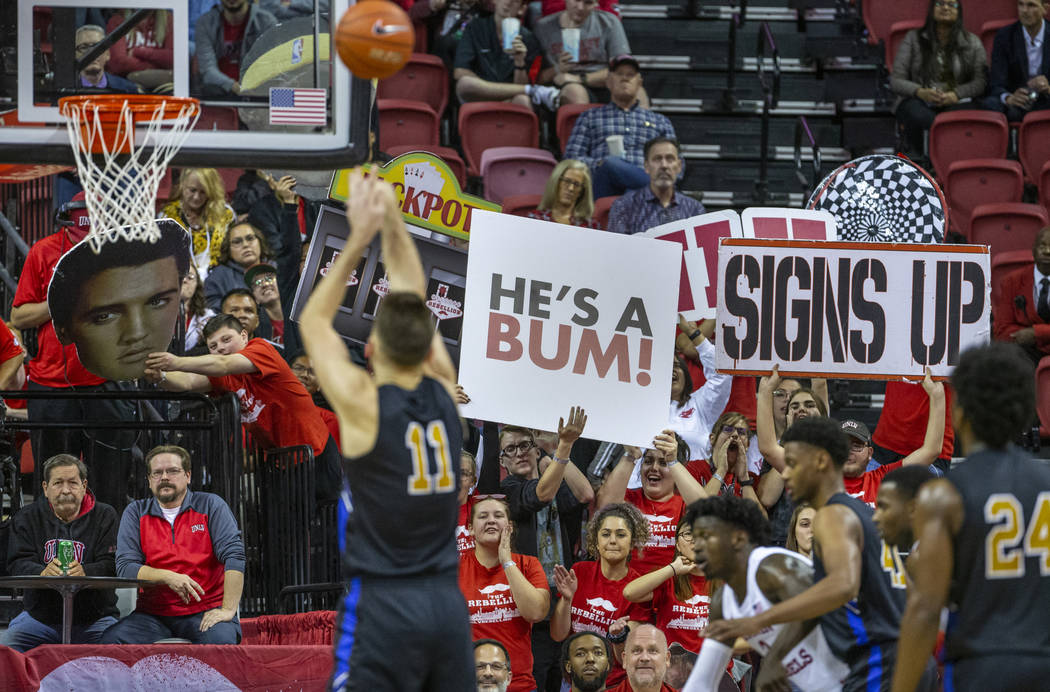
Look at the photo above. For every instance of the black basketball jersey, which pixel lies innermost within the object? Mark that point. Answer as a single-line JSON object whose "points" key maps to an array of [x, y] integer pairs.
{"points": [[1000, 596], [863, 633], [403, 494]]}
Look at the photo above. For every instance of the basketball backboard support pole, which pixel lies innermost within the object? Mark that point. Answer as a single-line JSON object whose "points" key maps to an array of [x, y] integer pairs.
{"points": [[40, 137]]}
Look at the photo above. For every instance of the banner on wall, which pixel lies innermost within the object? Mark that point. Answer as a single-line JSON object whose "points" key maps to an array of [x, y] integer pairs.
{"points": [[851, 310], [558, 316], [428, 192]]}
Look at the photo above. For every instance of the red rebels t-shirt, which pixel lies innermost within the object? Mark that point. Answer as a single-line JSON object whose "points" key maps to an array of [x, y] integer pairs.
{"points": [[464, 541], [275, 406], [701, 470], [494, 615], [865, 487], [905, 412], [55, 365], [625, 686], [681, 621], [663, 529], [598, 602]]}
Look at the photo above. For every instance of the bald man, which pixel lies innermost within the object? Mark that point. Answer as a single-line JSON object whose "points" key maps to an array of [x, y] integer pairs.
{"points": [[645, 658]]}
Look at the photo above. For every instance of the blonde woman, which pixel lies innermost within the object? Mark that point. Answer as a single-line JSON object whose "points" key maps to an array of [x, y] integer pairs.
{"points": [[198, 202], [568, 198]]}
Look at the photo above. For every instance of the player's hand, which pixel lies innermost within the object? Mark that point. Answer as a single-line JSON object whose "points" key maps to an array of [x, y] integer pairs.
{"points": [[461, 395], [504, 545], [52, 569], [770, 382], [1024, 337], [76, 570], [772, 677], [215, 616], [161, 361], [187, 589], [728, 630], [366, 208], [569, 432], [565, 580], [666, 444]]}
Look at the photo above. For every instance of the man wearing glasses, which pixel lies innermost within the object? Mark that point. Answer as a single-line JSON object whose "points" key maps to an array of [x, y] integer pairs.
{"points": [[94, 73], [189, 544], [491, 665], [261, 280]]}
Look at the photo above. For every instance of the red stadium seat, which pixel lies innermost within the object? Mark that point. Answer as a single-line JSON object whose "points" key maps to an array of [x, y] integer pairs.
{"points": [[1033, 143], [1042, 395], [567, 116], [1006, 226], [1044, 186], [959, 135], [879, 16], [1005, 263], [602, 205], [423, 78], [486, 124], [230, 176], [897, 34], [978, 15], [164, 189], [446, 154], [406, 122], [515, 170], [988, 32], [973, 182], [520, 205]]}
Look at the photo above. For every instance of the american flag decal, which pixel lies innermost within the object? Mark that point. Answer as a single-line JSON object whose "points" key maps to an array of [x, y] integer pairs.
{"points": [[290, 106]]}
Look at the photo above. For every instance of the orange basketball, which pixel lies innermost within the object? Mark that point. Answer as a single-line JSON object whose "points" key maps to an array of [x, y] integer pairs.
{"points": [[374, 39]]}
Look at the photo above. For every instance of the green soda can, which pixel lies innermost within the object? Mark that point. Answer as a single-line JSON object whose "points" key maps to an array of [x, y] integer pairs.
{"points": [[66, 555]]}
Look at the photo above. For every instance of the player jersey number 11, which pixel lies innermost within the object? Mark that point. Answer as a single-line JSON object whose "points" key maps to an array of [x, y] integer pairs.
{"points": [[1002, 555], [419, 441]]}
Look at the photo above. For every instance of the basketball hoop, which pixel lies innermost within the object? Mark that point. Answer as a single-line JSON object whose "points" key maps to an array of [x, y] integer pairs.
{"points": [[120, 178]]}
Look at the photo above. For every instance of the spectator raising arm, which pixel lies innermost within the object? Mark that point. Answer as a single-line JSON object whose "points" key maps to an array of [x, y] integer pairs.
{"points": [[931, 444], [558, 469], [765, 428]]}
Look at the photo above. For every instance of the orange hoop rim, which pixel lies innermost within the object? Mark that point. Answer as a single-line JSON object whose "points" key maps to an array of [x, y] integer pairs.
{"points": [[141, 106]]}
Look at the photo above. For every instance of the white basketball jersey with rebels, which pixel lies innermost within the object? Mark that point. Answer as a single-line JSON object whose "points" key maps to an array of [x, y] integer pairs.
{"points": [[810, 665]]}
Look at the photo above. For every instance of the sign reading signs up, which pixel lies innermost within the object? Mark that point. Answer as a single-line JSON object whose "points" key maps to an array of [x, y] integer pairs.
{"points": [[856, 310]]}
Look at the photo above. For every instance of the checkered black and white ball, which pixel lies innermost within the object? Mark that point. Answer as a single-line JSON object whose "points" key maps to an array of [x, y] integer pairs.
{"points": [[884, 199]]}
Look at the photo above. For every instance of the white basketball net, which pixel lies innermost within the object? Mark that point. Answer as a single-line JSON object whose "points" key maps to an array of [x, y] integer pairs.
{"points": [[121, 189]]}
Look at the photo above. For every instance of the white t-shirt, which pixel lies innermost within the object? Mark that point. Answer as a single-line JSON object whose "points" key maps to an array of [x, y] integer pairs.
{"points": [[170, 514]]}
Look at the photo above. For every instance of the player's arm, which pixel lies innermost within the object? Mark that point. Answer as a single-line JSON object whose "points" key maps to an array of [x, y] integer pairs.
{"points": [[781, 577], [934, 439], [405, 272], [840, 536], [347, 386], [938, 518], [765, 428], [714, 655]]}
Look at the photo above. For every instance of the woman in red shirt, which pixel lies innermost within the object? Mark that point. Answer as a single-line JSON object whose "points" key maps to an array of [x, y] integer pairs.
{"points": [[726, 473], [505, 592], [474, 482], [591, 593], [678, 594]]}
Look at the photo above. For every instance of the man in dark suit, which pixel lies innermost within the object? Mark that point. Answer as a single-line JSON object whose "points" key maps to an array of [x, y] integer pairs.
{"points": [[1017, 79], [1022, 314]]}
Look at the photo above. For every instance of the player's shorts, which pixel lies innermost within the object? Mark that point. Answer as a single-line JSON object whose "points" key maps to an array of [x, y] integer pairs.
{"points": [[403, 635], [998, 672], [874, 671]]}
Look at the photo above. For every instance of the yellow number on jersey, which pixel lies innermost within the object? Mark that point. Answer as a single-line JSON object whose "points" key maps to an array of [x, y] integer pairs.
{"points": [[892, 563], [1004, 552], [422, 482]]}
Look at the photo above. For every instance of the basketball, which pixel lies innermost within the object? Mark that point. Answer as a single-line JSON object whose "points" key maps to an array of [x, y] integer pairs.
{"points": [[374, 39]]}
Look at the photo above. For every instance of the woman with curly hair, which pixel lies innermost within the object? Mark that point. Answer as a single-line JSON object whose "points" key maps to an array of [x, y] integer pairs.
{"points": [[242, 247], [505, 592], [568, 197], [591, 593], [198, 202]]}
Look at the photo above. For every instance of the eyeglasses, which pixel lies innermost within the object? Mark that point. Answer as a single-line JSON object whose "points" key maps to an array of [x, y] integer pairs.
{"points": [[495, 667], [302, 370], [268, 280], [513, 450], [729, 430], [780, 393], [570, 183], [947, 3], [161, 473], [85, 47]]}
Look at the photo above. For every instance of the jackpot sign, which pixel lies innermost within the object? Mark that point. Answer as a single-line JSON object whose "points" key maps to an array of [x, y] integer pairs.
{"points": [[427, 191], [859, 310]]}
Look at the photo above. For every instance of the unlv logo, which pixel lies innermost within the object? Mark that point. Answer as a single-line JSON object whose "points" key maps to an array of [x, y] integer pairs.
{"points": [[51, 548]]}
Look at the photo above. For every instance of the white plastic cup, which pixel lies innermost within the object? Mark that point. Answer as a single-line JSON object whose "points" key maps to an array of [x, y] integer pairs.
{"points": [[615, 144], [570, 40], [511, 28]]}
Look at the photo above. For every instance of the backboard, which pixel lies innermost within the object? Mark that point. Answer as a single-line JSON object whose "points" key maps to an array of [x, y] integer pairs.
{"points": [[293, 107]]}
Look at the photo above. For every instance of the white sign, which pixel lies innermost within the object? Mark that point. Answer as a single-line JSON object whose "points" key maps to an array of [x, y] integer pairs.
{"points": [[859, 310], [558, 316], [788, 224]]}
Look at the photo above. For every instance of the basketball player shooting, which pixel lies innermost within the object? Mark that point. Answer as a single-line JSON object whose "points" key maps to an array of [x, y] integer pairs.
{"points": [[401, 439]]}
